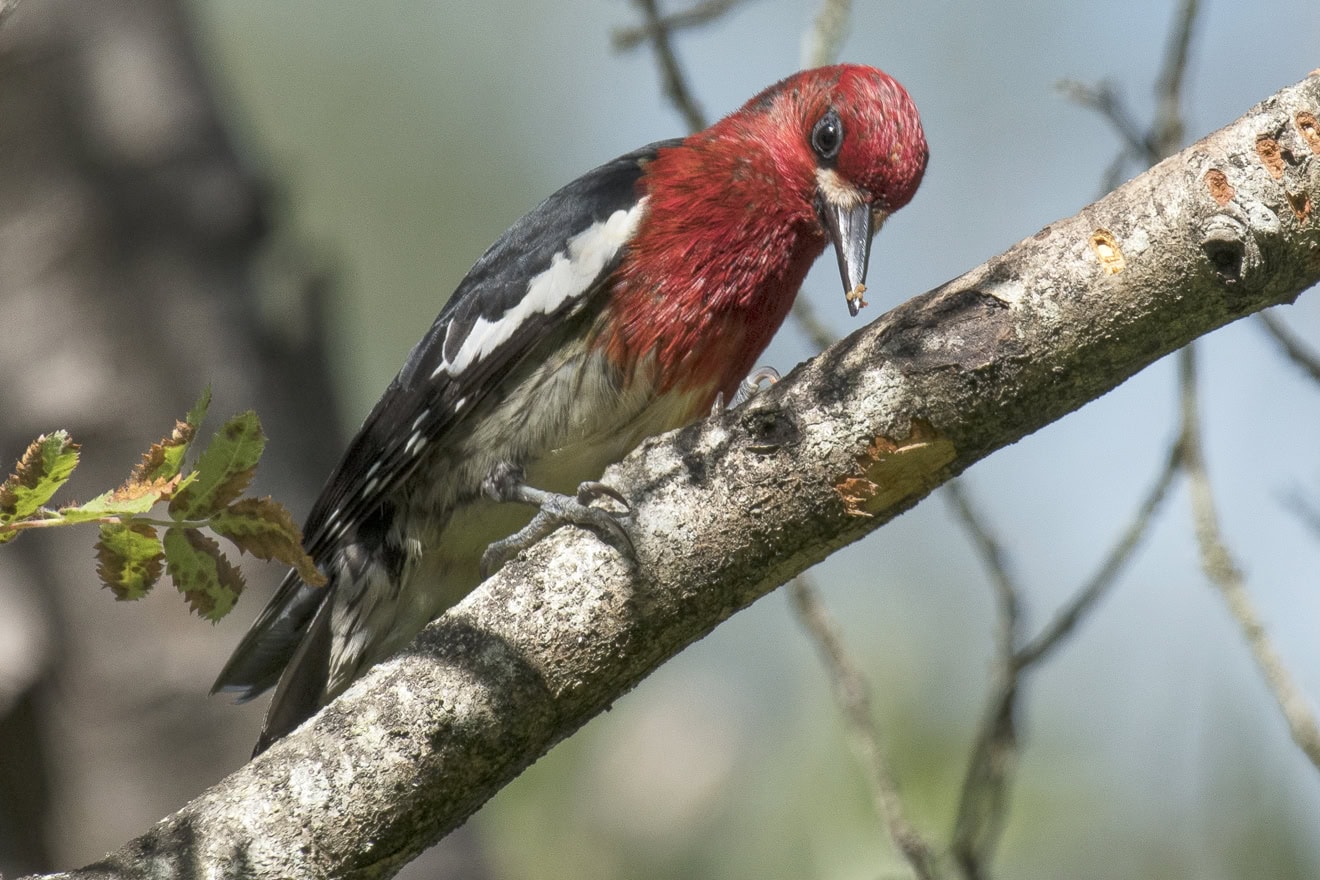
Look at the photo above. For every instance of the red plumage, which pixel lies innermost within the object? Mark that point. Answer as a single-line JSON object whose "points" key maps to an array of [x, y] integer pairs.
{"points": [[678, 261], [733, 222]]}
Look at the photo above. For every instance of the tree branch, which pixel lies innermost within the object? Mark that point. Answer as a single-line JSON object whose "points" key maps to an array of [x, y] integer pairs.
{"points": [[730, 508]]}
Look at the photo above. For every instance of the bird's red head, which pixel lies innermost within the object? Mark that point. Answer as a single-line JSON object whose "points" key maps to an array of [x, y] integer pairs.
{"points": [[854, 121], [737, 214], [850, 140]]}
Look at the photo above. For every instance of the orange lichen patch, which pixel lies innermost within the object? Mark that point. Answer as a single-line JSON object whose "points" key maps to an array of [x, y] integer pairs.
{"points": [[1300, 203], [891, 471], [1309, 128], [1270, 155], [1107, 251], [1220, 189]]}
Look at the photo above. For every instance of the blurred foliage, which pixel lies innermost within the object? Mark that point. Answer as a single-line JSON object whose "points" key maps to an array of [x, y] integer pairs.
{"points": [[130, 553]]}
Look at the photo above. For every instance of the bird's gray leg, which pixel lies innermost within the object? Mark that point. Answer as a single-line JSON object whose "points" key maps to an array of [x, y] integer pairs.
{"points": [[505, 483]]}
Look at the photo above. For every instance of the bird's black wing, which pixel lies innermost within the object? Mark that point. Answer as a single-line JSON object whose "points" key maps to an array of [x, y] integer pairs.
{"points": [[549, 263]]}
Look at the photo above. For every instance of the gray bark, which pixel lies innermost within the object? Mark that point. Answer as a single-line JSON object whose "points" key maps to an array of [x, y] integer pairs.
{"points": [[730, 508]]}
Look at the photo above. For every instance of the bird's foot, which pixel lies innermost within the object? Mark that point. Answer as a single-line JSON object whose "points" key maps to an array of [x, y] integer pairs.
{"points": [[755, 381], [752, 384], [505, 483]]}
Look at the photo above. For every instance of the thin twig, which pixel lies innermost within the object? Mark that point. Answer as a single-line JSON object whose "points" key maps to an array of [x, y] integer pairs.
{"points": [[1303, 509], [982, 808], [675, 81], [695, 16], [1224, 574], [992, 555], [852, 694], [1166, 135], [1107, 575], [1104, 99], [1293, 347], [983, 802], [820, 44]]}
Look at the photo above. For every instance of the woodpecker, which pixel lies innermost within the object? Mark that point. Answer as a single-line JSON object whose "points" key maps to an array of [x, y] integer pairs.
{"points": [[622, 306]]}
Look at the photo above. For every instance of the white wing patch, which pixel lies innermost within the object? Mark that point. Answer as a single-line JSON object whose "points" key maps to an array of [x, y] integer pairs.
{"points": [[571, 272]]}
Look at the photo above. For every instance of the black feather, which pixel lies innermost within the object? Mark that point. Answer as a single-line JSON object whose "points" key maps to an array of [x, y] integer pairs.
{"points": [[354, 505]]}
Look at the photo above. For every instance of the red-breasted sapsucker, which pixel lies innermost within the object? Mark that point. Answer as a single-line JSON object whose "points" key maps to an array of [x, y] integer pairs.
{"points": [[622, 306]]}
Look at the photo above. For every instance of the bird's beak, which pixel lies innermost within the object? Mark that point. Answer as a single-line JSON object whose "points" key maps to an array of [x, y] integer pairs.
{"points": [[851, 224]]}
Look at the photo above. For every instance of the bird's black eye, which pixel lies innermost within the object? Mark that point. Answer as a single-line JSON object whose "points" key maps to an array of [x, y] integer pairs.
{"points": [[827, 136]]}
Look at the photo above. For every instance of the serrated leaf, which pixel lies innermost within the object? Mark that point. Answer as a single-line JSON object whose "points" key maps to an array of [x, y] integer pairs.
{"points": [[164, 460], [43, 469], [208, 580], [122, 502], [128, 559], [264, 528], [224, 469]]}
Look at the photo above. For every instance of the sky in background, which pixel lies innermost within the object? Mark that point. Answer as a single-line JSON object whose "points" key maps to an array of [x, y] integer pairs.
{"points": [[405, 136]]}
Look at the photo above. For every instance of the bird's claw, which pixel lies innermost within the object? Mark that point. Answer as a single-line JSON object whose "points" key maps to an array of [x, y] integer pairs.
{"points": [[752, 384], [749, 386], [555, 511], [594, 490]]}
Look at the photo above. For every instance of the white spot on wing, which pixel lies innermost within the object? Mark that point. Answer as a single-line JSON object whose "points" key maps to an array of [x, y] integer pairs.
{"points": [[570, 273], [415, 443]]}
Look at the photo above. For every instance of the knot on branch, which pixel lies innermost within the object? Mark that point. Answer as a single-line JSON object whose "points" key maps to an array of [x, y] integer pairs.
{"points": [[1224, 241], [1237, 240]]}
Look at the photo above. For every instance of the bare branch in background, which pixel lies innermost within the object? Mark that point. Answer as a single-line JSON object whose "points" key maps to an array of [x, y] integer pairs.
{"points": [[821, 43], [983, 803], [675, 80], [1071, 614], [1166, 135], [1219, 567], [1104, 99], [695, 16], [1294, 348], [1305, 510], [853, 696]]}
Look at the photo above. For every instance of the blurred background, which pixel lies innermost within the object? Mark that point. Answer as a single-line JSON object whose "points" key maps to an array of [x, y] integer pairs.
{"points": [[276, 198]]}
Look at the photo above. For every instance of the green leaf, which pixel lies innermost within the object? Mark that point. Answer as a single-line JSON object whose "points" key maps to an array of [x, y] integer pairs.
{"points": [[164, 460], [128, 559], [224, 469], [264, 528], [43, 469], [208, 580], [111, 504]]}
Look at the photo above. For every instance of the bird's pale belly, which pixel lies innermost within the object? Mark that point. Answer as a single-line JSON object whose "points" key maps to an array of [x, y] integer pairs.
{"points": [[446, 566]]}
